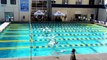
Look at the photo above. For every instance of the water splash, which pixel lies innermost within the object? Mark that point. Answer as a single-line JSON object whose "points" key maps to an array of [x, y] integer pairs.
{"points": [[58, 53], [52, 43]]}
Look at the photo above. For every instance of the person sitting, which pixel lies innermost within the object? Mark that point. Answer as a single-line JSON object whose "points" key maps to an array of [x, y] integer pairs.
{"points": [[91, 21]]}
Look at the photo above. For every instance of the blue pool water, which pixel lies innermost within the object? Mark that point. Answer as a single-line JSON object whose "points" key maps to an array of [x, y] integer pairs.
{"points": [[85, 38]]}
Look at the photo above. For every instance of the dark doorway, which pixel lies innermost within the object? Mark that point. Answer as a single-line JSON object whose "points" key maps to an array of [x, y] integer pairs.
{"points": [[9, 16]]}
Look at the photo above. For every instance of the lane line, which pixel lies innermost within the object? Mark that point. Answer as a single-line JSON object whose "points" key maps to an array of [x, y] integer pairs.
{"points": [[15, 36], [14, 40], [14, 48], [47, 46]]}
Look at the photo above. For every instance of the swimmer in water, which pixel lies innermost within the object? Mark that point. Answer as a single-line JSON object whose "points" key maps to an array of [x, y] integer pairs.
{"points": [[52, 43]]}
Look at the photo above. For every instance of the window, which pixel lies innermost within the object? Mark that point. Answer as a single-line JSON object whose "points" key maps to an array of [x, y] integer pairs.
{"points": [[105, 3], [101, 2], [12, 1], [3, 1], [53, 2], [91, 2], [64, 1], [78, 2]]}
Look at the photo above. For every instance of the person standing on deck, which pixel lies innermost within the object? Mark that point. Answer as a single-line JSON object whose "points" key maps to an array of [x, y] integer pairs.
{"points": [[73, 57]]}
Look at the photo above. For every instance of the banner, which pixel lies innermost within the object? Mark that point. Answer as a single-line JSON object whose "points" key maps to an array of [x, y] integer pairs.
{"points": [[24, 5]]}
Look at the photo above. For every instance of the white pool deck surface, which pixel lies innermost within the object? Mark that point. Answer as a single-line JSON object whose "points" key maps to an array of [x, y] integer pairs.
{"points": [[3, 26], [102, 56]]}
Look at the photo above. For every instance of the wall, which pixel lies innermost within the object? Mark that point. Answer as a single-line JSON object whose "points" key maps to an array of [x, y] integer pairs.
{"points": [[102, 14], [85, 2], [9, 8], [72, 1], [16, 10], [58, 1], [96, 2]]}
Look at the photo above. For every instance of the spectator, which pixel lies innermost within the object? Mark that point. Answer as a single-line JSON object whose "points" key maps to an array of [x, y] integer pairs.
{"points": [[73, 55]]}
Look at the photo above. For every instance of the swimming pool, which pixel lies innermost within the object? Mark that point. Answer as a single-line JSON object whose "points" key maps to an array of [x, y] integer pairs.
{"points": [[85, 38]]}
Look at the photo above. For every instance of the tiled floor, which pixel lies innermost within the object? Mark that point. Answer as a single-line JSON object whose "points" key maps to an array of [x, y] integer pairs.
{"points": [[67, 57]]}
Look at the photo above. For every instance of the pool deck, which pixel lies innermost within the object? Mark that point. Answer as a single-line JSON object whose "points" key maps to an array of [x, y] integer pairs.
{"points": [[67, 57]]}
